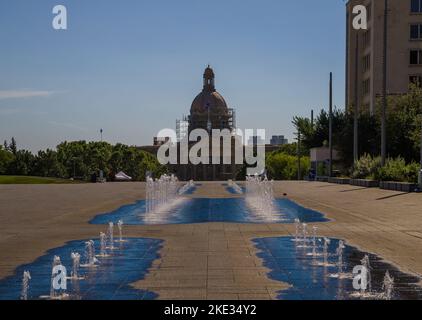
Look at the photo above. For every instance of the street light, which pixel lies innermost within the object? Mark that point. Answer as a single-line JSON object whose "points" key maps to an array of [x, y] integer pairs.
{"points": [[384, 88], [420, 171], [330, 130], [298, 156], [356, 107]]}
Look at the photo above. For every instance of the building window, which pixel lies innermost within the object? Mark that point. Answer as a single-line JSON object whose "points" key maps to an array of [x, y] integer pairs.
{"points": [[415, 79], [366, 62], [365, 87], [366, 39], [369, 11], [416, 6], [415, 57], [416, 31]]}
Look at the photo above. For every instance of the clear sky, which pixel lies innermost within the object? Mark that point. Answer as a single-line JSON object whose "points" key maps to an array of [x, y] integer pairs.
{"points": [[132, 67]]}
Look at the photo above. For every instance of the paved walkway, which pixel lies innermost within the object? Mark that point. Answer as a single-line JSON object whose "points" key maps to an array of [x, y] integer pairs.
{"points": [[212, 260]]}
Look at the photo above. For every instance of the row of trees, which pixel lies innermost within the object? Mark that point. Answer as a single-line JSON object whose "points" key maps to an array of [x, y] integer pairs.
{"points": [[404, 123], [79, 159]]}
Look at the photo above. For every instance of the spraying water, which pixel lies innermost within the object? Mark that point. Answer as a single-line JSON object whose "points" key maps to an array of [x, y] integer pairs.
{"points": [[91, 260], [339, 253], [304, 233], [187, 187], [162, 193], [325, 250], [367, 265], [76, 259], [111, 235], [388, 286], [56, 294], [297, 227], [120, 226], [340, 263], [304, 236], [314, 240], [234, 186], [103, 244], [260, 197], [25, 285]]}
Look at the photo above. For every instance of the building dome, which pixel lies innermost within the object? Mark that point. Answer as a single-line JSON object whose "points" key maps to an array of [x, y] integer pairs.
{"points": [[209, 98], [212, 100]]}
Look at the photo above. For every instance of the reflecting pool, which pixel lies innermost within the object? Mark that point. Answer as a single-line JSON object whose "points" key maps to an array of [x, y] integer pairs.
{"points": [[312, 279], [201, 210], [109, 279]]}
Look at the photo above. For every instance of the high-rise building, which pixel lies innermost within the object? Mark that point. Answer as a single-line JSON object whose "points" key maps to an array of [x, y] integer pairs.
{"points": [[364, 51], [278, 140]]}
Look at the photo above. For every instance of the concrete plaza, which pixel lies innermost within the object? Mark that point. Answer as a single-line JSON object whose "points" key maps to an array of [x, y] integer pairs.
{"points": [[210, 260]]}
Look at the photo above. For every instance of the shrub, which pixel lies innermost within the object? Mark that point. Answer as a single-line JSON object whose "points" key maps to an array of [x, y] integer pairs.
{"points": [[282, 166], [398, 170], [366, 167]]}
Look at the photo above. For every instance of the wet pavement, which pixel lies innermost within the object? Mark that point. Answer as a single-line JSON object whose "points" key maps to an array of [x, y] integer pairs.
{"points": [[292, 263], [110, 280], [202, 210]]}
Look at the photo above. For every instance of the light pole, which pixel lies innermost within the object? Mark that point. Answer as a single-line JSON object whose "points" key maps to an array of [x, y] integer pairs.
{"points": [[330, 129], [101, 134], [356, 107], [298, 156], [420, 171], [384, 88]]}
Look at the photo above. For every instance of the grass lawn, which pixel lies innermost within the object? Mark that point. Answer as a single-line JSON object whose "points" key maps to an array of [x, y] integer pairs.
{"points": [[32, 180]]}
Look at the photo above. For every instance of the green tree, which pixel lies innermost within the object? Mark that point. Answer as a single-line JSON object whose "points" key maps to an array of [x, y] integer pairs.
{"points": [[46, 164], [23, 163], [6, 158], [282, 166]]}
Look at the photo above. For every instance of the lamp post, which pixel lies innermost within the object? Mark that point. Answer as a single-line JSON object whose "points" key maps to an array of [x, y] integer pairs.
{"points": [[356, 105], [330, 129], [420, 171], [298, 156], [384, 88]]}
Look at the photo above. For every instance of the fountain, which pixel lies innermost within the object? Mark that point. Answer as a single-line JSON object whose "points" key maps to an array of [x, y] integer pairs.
{"points": [[304, 236], [366, 292], [387, 286], [325, 251], [25, 285], [76, 259], [260, 197], [91, 260], [57, 293], [162, 194], [103, 246], [314, 242], [120, 226], [367, 266], [304, 233], [234, 186], [340, 264], [297, 227], [187, 187], [111, 236]]}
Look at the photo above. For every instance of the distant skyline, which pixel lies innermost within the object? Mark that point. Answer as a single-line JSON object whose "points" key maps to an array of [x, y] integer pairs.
{"points": [[133, 67]]}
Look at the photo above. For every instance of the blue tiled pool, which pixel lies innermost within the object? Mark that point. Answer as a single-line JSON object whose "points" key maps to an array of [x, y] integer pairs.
{"points": [[291, 264], [110, 280], [201, 210]]}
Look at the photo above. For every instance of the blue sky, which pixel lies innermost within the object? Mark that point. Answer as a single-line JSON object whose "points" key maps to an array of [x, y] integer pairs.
{"points": [[132, 67]]}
